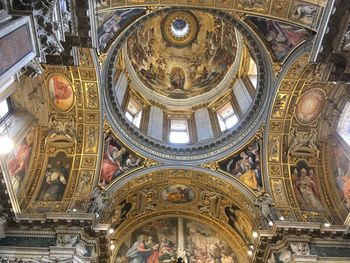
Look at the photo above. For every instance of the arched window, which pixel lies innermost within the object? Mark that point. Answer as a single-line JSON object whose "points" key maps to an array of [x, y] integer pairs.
{"points": [[134, 112], [5, 109], [226, 116], [253, 73], [179, 132]]}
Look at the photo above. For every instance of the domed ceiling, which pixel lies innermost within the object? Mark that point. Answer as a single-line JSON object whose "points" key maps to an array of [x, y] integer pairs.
{"points": [[182, 54]]}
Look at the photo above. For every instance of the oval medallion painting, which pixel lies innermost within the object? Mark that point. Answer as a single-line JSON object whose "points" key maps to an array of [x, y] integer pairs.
{"points": [[309, 106], [178, 194], [60, 92]]}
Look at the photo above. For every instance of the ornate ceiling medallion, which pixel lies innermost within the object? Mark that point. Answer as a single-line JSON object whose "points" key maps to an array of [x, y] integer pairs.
{"points": [[180, 29]]}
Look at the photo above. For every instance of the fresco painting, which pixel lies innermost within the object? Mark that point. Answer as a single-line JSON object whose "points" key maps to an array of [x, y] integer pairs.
{"points": [[61, 93], [309, 106], [163, 240], [18, 162], [239, 221], [56, 178], [305, 187], [341, 172], [186, 71], [246, 166], [110, 23], [116, 161], [178, 193], [282, 38]]}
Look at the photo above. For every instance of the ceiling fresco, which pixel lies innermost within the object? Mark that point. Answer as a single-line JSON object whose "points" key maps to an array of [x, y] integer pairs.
{"points": [[246, 166], [203, 201], [65, 149], [188, 196], [117, 160], [111, 23], [340, 171], [18, 162], [295, 149], [162, 240], [186, 66], [281, 38], [306, 12]]}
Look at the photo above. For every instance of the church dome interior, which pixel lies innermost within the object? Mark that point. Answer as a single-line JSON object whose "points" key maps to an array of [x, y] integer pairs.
{"points": [[202, 131]]}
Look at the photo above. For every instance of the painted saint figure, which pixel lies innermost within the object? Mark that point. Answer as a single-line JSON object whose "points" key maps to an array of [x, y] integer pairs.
{"points": [[138, 252], [18, 164], [246, 166], [111, 166], [55, 181], [60, 92], [306, 190]]}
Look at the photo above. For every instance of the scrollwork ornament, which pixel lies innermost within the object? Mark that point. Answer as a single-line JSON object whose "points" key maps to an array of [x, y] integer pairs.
{"points": [[211, 166], [276, 68]]}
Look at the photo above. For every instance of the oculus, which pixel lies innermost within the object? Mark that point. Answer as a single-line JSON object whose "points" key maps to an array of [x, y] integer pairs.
{"points": [[180, 28]]}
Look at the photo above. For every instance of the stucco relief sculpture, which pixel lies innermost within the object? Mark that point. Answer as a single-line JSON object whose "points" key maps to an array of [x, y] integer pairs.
{"points": [[98, 202], [265, 204], [304, 12], [3, 222], [303, 143], [66, 240], [61, 129]]}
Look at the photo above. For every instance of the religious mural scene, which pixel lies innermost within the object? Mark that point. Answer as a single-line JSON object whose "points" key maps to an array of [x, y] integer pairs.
{"points": [[18, 160], [305, 186], [110, 23], [163, 240], [246, 166], [282, 38], [55, 178], [341, 172], [178, 194], [239, 222], [189, 59], [117, 160]]}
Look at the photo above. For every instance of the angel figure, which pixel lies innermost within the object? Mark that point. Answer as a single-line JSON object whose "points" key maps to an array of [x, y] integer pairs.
{"points": [[300, 249], [98, 202], [264, 203]]}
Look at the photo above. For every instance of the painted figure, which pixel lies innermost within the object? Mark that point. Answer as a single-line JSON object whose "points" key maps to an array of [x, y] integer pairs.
{"points": [[282, 37], [341, 173], [178, 194], [246, 166], [239, 222], [56, 178], [18, 164], [60, 92], [138, 252], [111, 166], [116, 161], [305, 188], [112, 24]]}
